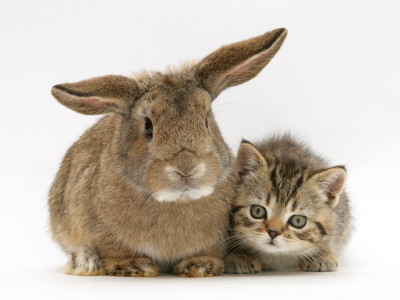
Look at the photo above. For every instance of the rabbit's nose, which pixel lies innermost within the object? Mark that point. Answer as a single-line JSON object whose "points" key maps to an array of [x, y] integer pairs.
{"points": [[185, 178], [189, 172], [187, 164]]}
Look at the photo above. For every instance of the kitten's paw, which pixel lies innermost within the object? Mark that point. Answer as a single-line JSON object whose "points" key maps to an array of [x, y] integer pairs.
{"points": [[319, 263], [242, 264], [200, 266], [134, 267]]}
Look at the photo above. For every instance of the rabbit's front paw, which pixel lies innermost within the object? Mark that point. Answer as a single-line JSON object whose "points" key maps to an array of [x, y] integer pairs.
{"points": [[200, 266], [134, 267], [324, 262], [85, 262], [242, 264]]}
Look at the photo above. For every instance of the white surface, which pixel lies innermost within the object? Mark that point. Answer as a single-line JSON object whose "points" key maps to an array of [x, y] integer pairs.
{"points": [[335, 82]]}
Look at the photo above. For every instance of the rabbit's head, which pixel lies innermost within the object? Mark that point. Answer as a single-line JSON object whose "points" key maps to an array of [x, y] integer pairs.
{"points": [[166, 141]]}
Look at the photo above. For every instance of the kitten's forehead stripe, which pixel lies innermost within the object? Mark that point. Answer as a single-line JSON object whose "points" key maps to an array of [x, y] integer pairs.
{"points": [[268, 198], [298, 184], [273, 178], [286, 178], [294, 205]]}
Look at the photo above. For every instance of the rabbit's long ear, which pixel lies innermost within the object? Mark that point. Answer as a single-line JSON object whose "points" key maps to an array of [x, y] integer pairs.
{"points": [[99, 95], [237, 63]]}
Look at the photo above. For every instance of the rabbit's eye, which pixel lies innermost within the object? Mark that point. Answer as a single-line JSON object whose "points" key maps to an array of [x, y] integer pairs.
{"points": [[148, 127], [207, 122]]}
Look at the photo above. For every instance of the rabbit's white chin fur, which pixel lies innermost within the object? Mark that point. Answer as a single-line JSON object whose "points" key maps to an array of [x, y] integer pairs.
{"points": [[193, 194]]}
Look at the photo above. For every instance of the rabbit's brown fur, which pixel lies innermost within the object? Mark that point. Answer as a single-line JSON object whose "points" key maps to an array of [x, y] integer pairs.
{"points": [[128, 203]]}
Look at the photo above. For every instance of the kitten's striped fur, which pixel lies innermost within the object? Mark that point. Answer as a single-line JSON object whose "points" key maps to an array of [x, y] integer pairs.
{"points": [[286, 178]]}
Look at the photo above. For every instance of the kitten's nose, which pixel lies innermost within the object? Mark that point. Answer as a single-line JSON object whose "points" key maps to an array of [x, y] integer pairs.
{"points": [[273, 233]]}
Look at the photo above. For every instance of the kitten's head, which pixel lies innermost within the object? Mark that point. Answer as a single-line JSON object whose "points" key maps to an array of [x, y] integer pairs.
{"points": [[284, 206]]}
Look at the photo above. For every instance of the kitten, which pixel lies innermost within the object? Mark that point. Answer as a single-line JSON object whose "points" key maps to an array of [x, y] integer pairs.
{"points": [[290, 209]]}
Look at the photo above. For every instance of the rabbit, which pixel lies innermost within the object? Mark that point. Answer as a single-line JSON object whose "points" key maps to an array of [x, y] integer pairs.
{"points": [[147, 189]]}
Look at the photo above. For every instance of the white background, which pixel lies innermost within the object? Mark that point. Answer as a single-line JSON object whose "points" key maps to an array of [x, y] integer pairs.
{"points": [[335, 83]]}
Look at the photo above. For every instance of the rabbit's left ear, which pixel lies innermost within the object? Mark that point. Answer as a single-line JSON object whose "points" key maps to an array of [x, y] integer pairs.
{"points": [[237, 63]]}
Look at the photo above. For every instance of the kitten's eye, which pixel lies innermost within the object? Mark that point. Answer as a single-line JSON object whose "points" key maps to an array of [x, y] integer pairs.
{"points": [[258, 212], [148, 127], [298, 221], [207, 122]]}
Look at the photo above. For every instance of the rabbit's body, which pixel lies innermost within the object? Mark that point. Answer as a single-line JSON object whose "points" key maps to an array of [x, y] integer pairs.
{"points": [[93, 205], [150, 184]]}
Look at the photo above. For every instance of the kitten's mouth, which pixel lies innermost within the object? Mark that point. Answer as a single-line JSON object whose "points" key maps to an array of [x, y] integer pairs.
{"points": [[272, 247]]}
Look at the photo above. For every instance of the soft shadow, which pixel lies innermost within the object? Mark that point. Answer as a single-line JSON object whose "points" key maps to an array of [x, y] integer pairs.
{"points": [[290, 273]]}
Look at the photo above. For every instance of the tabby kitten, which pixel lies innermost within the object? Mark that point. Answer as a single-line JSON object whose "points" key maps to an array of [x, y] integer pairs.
{"points": [[290, 209]]}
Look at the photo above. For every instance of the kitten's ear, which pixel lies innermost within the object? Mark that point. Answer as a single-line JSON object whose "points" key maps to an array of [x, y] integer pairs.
{"points": [[331, 181], [99, 95], [248, 159]]}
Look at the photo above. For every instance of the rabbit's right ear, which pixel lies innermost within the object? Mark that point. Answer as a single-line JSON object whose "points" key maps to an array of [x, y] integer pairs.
{"points": [[237, 63], [99, 95]]}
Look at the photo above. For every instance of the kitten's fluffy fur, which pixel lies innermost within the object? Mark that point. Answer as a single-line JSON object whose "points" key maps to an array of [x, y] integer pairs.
{"points": [[282, 178]]}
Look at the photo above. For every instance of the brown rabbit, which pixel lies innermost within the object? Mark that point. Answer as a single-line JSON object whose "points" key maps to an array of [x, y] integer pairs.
{"points": [[148, 186]]}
